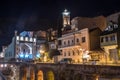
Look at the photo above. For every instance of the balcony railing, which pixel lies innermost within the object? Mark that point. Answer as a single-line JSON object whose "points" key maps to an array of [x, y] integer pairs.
{"points": [[109, 43]]}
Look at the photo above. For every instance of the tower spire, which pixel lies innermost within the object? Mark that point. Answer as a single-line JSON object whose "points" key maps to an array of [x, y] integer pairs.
{"points": [[66, 18]]}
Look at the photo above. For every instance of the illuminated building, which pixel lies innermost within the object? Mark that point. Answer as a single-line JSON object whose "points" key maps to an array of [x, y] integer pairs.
{"points": [[110, 42], [23, 47], [80, 38], [66, 18]]}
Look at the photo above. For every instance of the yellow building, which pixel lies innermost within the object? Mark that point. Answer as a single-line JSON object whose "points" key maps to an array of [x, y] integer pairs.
{"points": [[79, 38]]}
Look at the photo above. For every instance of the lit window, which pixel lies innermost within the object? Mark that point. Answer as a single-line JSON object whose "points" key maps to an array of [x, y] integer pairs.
{"points": [[5, 65], [26, 55], [17, 37], [31, 39], [34, 39], [115, 26], [21, 38], [1, 65], [26, 38]]}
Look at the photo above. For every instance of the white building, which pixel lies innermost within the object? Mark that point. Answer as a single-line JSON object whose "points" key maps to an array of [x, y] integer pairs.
{"points": [[23, 47]]}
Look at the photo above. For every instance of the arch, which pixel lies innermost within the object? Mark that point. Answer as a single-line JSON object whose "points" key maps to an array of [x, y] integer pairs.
{"points": [[50, 75], [78, 77], [24, 74], [40, 75], [32, 74]]}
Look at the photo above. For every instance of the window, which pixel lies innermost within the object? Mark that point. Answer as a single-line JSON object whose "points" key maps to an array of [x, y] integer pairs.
{"points": [[102, 38], [106, 39], [83, 39], [68, 53], [72, 41], [73, 53], [77, 40], [68, 42], [112, 38], [64, 43]]}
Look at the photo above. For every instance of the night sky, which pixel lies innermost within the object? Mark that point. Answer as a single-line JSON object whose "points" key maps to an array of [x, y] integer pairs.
{"points": [[42, 14]]}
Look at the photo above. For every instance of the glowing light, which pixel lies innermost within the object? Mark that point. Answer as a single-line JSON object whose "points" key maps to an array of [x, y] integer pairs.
{"points": [[31, 39], [22, 55], [30, 56], [11, 66], [1, 65], [21, 38], [26, 38], [42, 51], [86, 56], [66, 12], [26, 55], [34, 39], [17, 37], [38, 55], [5, 65], [45, 59]]}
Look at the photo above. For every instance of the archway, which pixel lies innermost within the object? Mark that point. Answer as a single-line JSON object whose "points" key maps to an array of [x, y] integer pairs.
{"points": [[50, 75], [32, 74], [40, 75], [24, 73]]}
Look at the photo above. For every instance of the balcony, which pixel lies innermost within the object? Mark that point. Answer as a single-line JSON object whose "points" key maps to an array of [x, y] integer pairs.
{"points": [[108, 43], [68, 46]]}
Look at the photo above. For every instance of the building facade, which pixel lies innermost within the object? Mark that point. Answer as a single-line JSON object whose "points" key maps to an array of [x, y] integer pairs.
{"points": [[110, 42], [78, 39], [22, 47]]}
